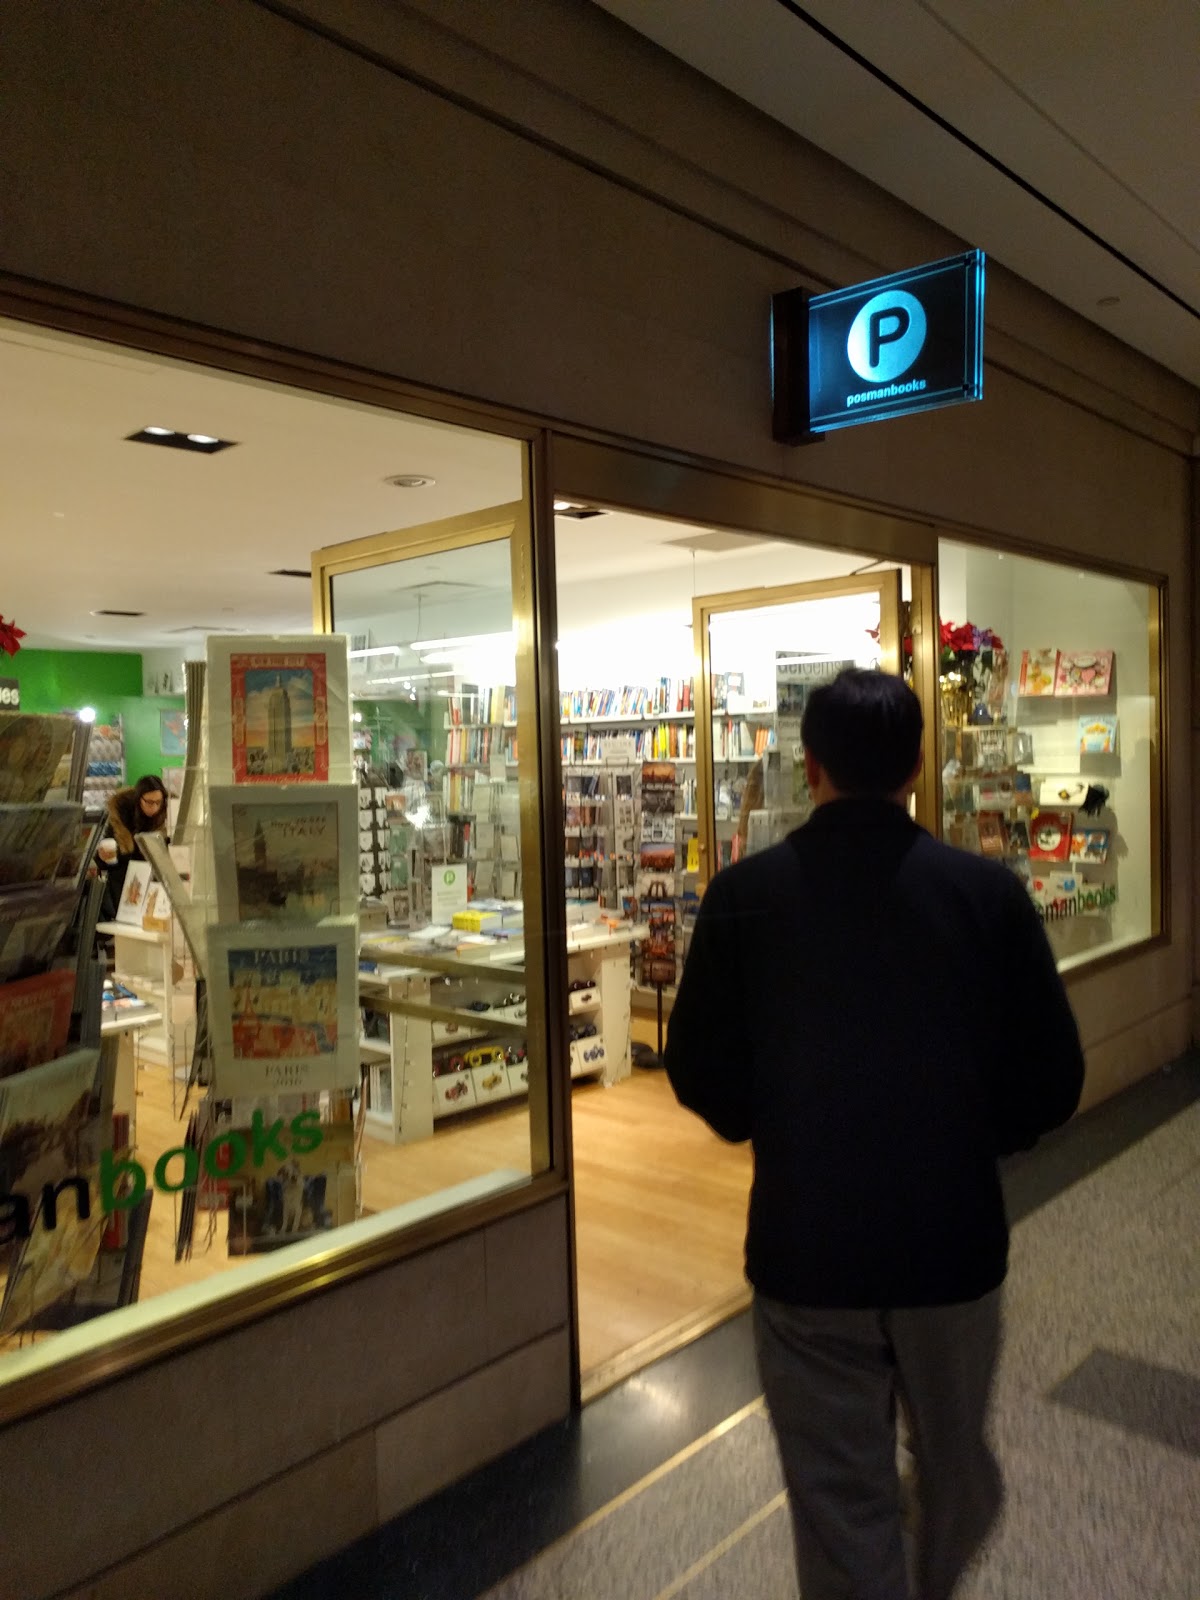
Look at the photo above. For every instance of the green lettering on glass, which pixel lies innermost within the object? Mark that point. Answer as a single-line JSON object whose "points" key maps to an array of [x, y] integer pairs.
{"points": [[216, 1164], [110, 1172], [191, 1169], [306, 1132], [267, 1140]]}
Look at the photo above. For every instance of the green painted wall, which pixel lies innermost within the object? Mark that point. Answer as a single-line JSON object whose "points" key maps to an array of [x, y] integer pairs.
{"points": [[65, 680]]}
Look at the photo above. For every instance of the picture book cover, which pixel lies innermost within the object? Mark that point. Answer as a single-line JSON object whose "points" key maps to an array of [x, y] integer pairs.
{"points": [[1097, 736], [1084, 672], [134, 891], [1050, 835], [1038, 670], [285, 855], [32, 924], [283, 1202], [45, 1113], [35, 1017], [1090, 844], [278, 709], [283, 1003], [31, 748]]}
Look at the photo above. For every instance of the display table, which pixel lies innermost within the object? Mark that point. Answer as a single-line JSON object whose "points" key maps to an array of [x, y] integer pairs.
{"points": [[455, 1039], [128, 1026]]}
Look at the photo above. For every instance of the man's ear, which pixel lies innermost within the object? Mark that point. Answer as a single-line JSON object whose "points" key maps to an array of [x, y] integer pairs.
{"points": [[813, 771]]}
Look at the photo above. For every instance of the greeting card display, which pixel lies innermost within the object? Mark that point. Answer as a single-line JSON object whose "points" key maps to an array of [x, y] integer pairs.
{"points": [[1097, 736], [132, 905], [1038, 669], [285, 854], [1050, 836], [1084, 672], [278, 710], [283, 1006], [1090, 844]]}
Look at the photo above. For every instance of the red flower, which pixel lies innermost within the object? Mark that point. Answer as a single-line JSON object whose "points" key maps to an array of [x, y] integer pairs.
{"points": [[10, 637]]}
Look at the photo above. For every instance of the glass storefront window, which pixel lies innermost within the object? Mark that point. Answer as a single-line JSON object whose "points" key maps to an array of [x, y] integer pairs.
{"points": [[1049, 739], [268, 1052]]}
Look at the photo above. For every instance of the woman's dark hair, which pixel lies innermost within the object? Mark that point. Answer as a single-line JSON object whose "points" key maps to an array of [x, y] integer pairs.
{"points": [[142, 823], [865, 730]]}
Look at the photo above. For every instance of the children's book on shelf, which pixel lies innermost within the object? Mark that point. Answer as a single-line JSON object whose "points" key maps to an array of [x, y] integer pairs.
{"points": [[1038, 670], [1082, 672], [1090, 844], [35, 1018], [1050, 835], [132, 905], [1097, 736]]}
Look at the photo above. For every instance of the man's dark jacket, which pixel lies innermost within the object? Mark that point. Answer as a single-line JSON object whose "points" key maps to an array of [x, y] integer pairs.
{"points": [[881, 1016]]}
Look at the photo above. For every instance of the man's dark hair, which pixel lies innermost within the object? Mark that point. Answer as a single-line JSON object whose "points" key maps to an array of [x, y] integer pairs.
{"points": [[865, 730]]}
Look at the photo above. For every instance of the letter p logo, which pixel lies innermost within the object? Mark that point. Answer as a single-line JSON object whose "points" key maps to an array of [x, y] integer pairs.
{"points": [[886, 336]]}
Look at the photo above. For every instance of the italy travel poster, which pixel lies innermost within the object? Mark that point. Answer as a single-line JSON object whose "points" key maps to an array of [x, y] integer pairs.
{"points": [[285, 855], [283, 1007]]}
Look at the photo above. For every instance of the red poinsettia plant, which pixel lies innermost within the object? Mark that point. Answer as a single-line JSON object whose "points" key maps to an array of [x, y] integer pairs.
{"points": [[10, 637], [964, 638]]}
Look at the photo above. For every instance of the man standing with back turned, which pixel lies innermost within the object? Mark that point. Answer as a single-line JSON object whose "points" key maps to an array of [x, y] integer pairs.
{"points": [[881, 1016]]}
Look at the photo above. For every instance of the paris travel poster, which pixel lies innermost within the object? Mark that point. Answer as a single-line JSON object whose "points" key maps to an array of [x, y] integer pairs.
{"points": [[285, 854], [283, 1008], [278, 710]]}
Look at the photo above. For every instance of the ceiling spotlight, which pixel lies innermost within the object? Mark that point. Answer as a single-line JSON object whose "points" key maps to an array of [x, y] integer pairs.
{"points": [[86, 713], [410, 480], [202, 443]]}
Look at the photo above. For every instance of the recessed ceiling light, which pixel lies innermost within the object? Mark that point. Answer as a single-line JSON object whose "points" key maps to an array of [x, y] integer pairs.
{"points": [[104, 611], [410, 480], [206, 444], [1109, 300], [580, 513], [289, 572], [59, 513]]}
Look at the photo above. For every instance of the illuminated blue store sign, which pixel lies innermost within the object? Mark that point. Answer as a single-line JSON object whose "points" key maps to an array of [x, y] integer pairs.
{"points": [[910, 342]]}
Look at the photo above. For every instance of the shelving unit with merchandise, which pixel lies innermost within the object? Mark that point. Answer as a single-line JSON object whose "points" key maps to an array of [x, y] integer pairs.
{"points": [[615, 856], [106, 764], [157, 968], [1051, 741], [422, 1069]]}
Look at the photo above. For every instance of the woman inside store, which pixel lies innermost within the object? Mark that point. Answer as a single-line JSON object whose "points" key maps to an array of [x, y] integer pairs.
{"points": [[142, 808]]}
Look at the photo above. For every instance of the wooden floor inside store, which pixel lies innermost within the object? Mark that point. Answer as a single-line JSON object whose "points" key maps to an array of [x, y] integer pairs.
{"points": [[660, 1203]]}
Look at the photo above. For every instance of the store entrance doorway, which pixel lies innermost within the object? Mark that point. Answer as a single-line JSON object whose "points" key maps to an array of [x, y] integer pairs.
{"points": [[684, 656]]}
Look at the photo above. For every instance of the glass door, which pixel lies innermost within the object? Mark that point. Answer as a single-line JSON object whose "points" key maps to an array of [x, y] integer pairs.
{"points": [[760, 653]]}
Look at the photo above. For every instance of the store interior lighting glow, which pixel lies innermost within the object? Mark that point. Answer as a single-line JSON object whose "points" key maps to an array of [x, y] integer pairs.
{"points": [[375, 650], [86, 713]]}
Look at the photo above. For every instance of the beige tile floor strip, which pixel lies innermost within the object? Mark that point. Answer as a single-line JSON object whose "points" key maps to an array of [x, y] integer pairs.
{"points": [[777, 1503]]}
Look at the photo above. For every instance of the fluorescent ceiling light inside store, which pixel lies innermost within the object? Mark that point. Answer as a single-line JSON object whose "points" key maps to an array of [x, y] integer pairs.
{"points": [[633, 650]]}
